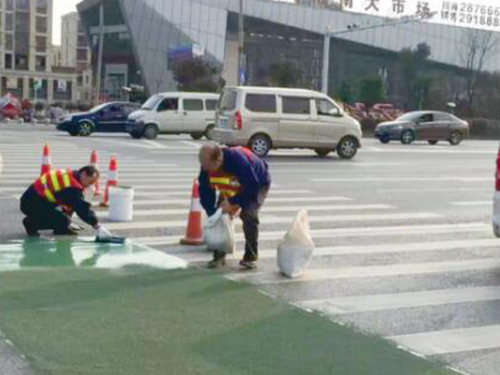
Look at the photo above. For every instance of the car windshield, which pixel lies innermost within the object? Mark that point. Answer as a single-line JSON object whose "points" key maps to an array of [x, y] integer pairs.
{"points": [[409, 116], [99, 107], [151, 103]]}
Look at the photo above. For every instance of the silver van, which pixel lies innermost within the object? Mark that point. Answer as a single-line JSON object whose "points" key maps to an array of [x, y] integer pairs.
{"points": [[265, 118]]}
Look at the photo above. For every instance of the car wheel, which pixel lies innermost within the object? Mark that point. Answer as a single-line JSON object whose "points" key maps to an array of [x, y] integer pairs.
{"points": [[136, 135], [208, 132], [322, 151], [151, 132], [433, 142], [260, 145], [85, 129], [455, 138], [407, 137], [196, 136], [385, 140], [347, 147]]}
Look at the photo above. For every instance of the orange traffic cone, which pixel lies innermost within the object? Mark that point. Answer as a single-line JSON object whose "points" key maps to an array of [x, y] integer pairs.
{"points": [[45, 160], [193, 231], [93, 162], [112, 180]]}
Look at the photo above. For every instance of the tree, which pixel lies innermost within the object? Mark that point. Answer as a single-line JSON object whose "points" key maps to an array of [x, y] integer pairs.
{"points": [[371, 92], [196, 75], [345, 93], [412, 63], [478, 46], [284, 74]]}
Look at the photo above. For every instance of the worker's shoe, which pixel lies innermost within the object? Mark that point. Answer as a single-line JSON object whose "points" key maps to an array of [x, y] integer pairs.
{"points": [[248, 264], [30, 228], [218, 261], [65, 232]]}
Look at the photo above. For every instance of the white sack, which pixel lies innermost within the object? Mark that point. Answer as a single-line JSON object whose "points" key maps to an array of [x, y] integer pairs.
{"points": [[218, 233], [296, 248]]}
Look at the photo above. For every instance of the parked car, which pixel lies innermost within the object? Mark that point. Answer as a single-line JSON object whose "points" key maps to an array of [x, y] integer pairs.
{"points": [[175, 113], [431, 126], [107, 118], [264, 118]]}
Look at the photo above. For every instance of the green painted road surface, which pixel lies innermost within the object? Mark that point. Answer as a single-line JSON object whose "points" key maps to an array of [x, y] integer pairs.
{"points": [[70, 314]]}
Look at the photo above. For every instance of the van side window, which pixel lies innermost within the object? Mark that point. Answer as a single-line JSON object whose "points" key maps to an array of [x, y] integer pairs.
{"points": [[169, 104], [326, 108], [261, 103], [210, 104], [193, 104], [295, 105]]}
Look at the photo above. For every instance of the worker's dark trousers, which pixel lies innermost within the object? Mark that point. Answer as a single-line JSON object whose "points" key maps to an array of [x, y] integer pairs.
{"points": [[250, 217], [42, 214]]}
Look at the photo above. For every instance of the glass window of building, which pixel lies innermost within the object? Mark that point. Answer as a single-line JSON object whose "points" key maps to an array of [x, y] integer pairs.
{"points": [[22, 5], [41, 63], [295, 105], [82, 40], [9, 22], [42, 6], [8, 61], [9, 5], [41, 24], [261, 103], [22, 22], [41, 44], [9, 42], [82, 54], [193, 104], [21, 61]]}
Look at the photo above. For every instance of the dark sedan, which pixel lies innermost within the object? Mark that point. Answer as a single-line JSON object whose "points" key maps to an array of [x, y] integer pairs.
{"points": [[431, 126], [106, 118]]}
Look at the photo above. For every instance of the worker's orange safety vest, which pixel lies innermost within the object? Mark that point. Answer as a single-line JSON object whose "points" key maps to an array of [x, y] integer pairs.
{"points": [[49, 184], [226, 184]]}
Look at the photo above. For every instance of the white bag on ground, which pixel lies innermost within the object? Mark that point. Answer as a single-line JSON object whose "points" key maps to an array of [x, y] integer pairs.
{"points": [[218, 233], [296, 248]]}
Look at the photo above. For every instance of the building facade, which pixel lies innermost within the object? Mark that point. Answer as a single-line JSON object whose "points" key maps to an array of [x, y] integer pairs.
{"points": [[139, 36], [76, 53]]}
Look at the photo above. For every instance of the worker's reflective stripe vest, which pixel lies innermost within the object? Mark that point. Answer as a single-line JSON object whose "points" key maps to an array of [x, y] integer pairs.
{"points": [[49, 184], [226, 184]]}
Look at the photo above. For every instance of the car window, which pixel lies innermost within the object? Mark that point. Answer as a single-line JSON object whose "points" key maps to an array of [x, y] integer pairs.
{"points": [[428, 117], [210, 104], [261, 103], [169, 104], [193, 104], [296, 105], [228, 100], [442, 117], [326, 108]]}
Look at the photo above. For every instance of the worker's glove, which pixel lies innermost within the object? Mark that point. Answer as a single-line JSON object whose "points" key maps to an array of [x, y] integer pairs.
{"points": [[103, 233]]}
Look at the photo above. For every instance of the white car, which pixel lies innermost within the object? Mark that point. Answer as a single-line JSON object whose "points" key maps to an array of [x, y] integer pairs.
{"points": [[174, 113], [496, 200]]}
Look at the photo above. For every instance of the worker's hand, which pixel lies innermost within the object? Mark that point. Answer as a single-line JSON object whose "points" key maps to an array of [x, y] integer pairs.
{"points": [[228, 208], [103, 233]]}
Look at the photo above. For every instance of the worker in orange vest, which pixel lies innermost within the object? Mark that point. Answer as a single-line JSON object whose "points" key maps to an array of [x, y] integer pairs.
{"points": [[242, 180], [51, 200]]}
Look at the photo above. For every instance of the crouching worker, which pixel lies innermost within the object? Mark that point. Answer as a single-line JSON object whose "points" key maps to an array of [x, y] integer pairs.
{"points": [[51, 200], [242, 180]]}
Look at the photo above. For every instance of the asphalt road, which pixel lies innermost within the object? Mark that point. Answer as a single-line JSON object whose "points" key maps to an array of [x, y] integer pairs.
{"points": [[404, 242]]}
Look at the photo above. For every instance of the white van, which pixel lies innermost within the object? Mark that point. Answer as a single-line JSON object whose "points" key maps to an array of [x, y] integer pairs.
{"points": [[265, 118], [174, 113]]}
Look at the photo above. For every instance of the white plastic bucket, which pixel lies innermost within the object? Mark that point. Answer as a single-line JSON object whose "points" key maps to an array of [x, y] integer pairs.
{"points": [[121, 203]]}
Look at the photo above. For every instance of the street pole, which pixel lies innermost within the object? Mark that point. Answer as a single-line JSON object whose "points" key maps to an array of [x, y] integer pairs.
{"points": [[99, 56], [326, 62], [241, 56]]}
